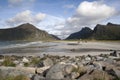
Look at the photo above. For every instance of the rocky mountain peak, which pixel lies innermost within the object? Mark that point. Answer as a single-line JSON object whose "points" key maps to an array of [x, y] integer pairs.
{"points": [[27, 26]]}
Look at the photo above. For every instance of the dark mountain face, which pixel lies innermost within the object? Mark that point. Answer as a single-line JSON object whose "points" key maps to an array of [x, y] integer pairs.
{"points": [[24, 32], [83, 34], [107, 32], [100, 32]]}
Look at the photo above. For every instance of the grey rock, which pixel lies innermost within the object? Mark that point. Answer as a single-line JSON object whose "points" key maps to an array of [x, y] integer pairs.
{"points": [[48, 62], [115, 54], [95, 75], [38, 77], [68, 69], [109, 60], [55, 75], [14, 72], [97, 65], [74, 75], [55, 72], [98, 58], [59, 71], [79, 64], [88, 59], [84, 62], [117, 72]]}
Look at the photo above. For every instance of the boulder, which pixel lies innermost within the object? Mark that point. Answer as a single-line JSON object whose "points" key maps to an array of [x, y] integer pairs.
{"points": [[109, 60], [79, 64], [68, 69], [115, 54], [98, 66], [117, 72], [47, 62], [96, 75], [56, 72], [13, 72], [25, 60], [74, 75], [60, 71], [98, 58], [88, 59], [37, 77]]}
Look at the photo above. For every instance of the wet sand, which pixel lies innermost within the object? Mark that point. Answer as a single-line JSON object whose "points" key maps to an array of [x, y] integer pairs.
{"points": [[68, 48]]}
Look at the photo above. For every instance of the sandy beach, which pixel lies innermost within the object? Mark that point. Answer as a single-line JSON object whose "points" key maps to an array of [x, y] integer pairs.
{"points": [[68, 48]]}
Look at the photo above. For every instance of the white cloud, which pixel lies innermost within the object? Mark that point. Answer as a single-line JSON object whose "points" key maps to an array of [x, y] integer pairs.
{"points": [[88, 14], [38, 17], [52, 24], [95, 10], [26, 17]]}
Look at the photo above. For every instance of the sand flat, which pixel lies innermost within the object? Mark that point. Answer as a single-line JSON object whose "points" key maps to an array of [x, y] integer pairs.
{"points": [[69, 48]]}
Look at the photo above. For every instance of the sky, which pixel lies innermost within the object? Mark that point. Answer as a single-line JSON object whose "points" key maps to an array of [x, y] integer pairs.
{"points": [[59, 17]]}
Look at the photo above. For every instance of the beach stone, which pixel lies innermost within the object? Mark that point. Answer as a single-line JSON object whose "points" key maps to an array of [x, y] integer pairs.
{"points": [[117, 72], [115, 54], [20, 65], [68, 69], [37, 77], [79, 64], [25, 60], [56, 72], [90, 67], [48, 62], [95, 75], [98, 58], [84, 77], [16, 62], [74, 75], [109, 60], [98, 66], [13, 72], [59, 71], [88, 59]]}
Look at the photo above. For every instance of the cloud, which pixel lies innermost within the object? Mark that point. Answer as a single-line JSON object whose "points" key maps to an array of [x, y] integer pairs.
{"points": [[26, 17], [88, 14], [70, 6], [52, 24], [95, 10]]}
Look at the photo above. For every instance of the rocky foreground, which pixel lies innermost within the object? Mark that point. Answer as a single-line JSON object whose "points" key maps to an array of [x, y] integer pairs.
{"points": [[48, 67]]}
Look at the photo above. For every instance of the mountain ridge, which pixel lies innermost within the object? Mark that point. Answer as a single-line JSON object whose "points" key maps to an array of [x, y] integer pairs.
{"points": [[26, 32], [109, 31]]}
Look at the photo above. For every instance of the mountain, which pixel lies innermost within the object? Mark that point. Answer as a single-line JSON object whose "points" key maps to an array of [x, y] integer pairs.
{"points": [[107, 32], [83, 34], [57, 38], [26, 32], [100, 32]]}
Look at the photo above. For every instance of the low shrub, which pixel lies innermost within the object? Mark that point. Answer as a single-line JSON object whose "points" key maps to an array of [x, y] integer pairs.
{"points": [[8, 62]]}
